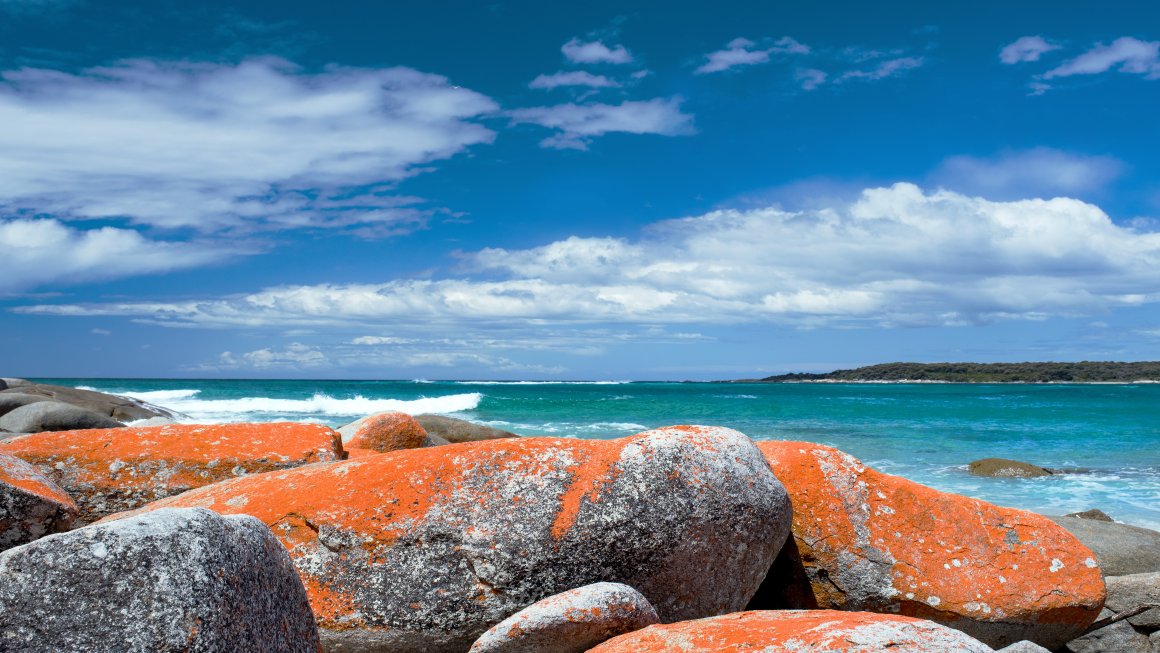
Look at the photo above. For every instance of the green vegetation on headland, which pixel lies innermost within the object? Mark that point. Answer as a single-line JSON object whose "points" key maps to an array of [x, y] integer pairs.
{"points": [[1082, 372]]}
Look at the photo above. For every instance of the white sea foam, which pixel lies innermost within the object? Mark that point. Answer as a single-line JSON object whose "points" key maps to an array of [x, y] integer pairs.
{"points": [[541, 382], [187, 402], [160, 397]]}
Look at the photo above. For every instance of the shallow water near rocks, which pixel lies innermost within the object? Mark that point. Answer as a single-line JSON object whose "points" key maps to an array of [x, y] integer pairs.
{"points": [[925, 432]]}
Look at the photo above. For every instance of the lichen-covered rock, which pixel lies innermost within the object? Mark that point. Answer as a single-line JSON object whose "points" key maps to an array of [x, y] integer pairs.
{"points": [[169, 581], [1121, 549], [1127, 592], [383, 432], [51, 415], [1002, 467], [570, 622], [31, 505], [871, 541], [797, 631], [457, 431], [111, 470], [425, 549]]}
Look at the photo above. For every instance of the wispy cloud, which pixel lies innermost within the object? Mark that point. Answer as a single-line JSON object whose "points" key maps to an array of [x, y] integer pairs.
{"points": [[881, 70], [743, 52], [578, 124], [1125, 54], [578, 51], [1027, 48], [572, 78], [1038, 172]]}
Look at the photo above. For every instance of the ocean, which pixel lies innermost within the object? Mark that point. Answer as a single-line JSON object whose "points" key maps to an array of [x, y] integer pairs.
{"points": [[1107, 437]]}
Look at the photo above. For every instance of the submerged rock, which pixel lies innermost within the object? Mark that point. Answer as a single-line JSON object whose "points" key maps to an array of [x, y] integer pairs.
{"points": [[425, 549], [40, 416], [864, 540], [1002, 467], [169, 581], [31, 505], [796, 631]]}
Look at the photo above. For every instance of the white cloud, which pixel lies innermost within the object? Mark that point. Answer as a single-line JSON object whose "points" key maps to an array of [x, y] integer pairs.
{"points": [[294, 356], [572, 78], [375, 341], [578, 124], [895, 255], [1126, 54], [578, 51], [212, 147], [45, 251], [1038, 172], [884, 69], [1027, 48], [811, 78], [743, 52]]}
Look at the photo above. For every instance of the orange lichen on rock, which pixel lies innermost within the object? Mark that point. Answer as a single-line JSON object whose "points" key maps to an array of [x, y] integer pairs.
{"points": [[31, 505], [385, 432], [873, 541], [110, 470], [20, 474], [799, 631]]}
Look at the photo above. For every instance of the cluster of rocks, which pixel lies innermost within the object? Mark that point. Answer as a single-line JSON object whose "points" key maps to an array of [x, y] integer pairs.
{"points": [[28, 407], [431, 534]]}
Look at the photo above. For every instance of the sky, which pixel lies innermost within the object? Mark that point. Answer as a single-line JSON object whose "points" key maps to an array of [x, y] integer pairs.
{"points": [[583, 191]]}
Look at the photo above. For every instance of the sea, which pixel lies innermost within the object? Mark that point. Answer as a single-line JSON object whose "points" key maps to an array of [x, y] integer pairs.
{"points": [[1104, 437]]}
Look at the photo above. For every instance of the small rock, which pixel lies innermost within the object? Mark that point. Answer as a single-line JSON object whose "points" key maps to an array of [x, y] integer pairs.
{"points": [[10, 401], [1095, 514], [1001, 467], [1024, 647], [171, 580], [1120, 549], [31, 505], [570, 622], [383, 432], [457, 430], [1119, 637], [1128, 592], [54, 416], [786, 631]]}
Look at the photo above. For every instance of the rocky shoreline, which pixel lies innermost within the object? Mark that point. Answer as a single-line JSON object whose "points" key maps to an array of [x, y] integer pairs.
{"points": [[426, 533]]}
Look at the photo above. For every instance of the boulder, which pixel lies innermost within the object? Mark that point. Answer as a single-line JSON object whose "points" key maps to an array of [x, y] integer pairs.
{"points": [[31, 505], [1121, 549], [124, 409], [570, 622], [457, 430], [1024, 647], [3, 384], [110, 470], [1001, 467], [425, 549], [1119, 637], [864, 540], [796, 631], [53, 416], [383, 432], [169, 581], [1128, 592], [1094, 513], [12, 400]]}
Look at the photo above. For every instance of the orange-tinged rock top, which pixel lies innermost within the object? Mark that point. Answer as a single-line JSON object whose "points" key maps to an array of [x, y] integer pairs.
{"points": [[799, 631], [19, 474], [385, 432]]}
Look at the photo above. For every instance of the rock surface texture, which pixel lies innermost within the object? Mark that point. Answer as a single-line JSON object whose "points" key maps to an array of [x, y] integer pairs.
{"points": [[1128, 592], [1119, 637], [35, 417], [169, 581], [864, 540], [1024, 647], [799, 631], [570, 622], [1121, 549], [458, 430], [1001, 467], [383, 432], [12, 400], [123, 409], [425, 549], [111, 470], [31, 505]]}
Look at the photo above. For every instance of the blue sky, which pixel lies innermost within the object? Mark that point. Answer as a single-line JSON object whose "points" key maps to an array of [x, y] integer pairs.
{"points": [[598, 190]]}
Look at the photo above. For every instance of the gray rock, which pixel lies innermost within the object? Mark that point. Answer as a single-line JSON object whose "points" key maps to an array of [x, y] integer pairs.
{"points": [[458, 430], [434, 441], [169, 581], [1120, 549], [54, 416], [120, 408], [1024, 647], [570, 622], [10, 401], [1128, 592], [3, 384], [1119, 637], [1002, 467], [1094, 514], [31, 505], [1154, 639]]}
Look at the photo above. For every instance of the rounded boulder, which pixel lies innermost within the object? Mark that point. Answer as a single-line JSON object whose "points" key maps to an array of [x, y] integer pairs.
{"points": [[425, 549], [39, 416], [383, 432], [457, 431], [31, 505]]}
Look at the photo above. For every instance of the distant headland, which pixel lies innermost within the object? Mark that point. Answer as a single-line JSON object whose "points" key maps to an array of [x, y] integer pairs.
{"points": [[1044, 372]]}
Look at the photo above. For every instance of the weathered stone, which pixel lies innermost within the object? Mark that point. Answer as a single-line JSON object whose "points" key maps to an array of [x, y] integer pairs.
{"points": [[53, 416], [1119, 637], [123, 409], [10, 401], [796, 631], [168, 581], [110, 470], [1002, 467], [31, 505], [457, 430], [1094, 514], [3, 384], [1024, 647], [1154, 640], [865, 540], [425, 549], [570, 622], [1128, 592], [1121, 549], [383, 432]]}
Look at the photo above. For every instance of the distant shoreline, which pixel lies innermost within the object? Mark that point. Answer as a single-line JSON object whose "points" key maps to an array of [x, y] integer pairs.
{"points": [[1086, 372]]}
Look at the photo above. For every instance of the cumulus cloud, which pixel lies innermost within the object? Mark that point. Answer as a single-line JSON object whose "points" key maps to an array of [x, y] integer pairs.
{"points": [[44, 251], [895, 255], [261, 144], [572, 78], [743, 52], [1027, 48], [578, 51], [578, 124], [1125, 54], [1038, 172]]}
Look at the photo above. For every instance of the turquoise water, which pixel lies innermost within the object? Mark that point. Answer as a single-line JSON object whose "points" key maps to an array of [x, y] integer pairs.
{"points": [[1109, 434]]}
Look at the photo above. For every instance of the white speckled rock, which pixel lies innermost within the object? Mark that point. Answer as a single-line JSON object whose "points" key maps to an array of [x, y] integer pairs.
{"points": [[570, 622], [172, 580], [31, 505], [1023, 647]]}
